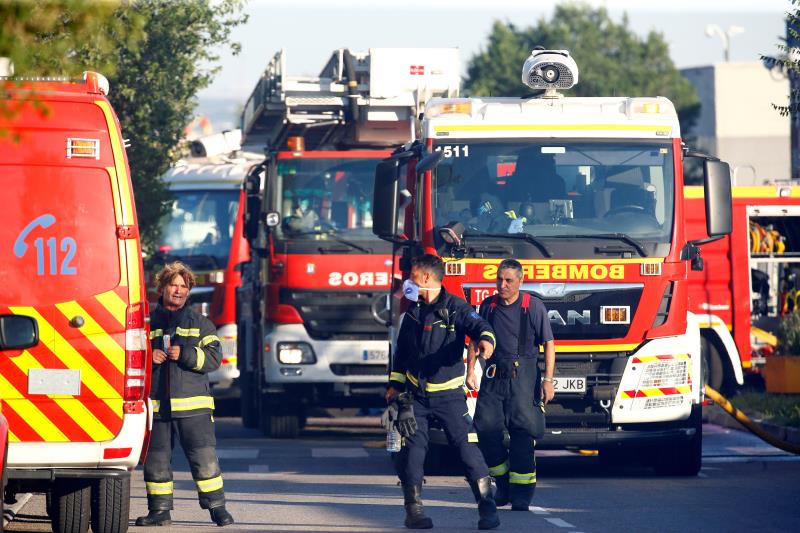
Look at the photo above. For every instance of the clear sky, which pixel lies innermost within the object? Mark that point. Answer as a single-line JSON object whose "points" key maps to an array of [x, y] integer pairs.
{"points": [[309, 31]]}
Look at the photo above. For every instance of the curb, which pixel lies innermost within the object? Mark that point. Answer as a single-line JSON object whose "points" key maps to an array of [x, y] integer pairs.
{"points": [[715, 415]]}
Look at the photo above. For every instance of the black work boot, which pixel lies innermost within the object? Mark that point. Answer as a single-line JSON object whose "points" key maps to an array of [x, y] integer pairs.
{"points": [[415, 513], [501, 494], [487, 508], [220, 516], [521, 496], [155, 518]]}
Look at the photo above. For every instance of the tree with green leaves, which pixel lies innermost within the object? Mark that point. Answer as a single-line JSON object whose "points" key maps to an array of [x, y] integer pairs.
{"points": [[612, 59], [157, 55], [787, 60]]}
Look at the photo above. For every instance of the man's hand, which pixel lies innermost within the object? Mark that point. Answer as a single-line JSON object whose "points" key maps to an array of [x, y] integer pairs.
{"points": [[472, 380], [174, 352], [406, 422], [548, 392], [486, 349], [390, 394], [159, 356]]}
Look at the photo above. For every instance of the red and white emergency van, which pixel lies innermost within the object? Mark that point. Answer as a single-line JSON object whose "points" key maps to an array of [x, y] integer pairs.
{"points": [[74, 357]]}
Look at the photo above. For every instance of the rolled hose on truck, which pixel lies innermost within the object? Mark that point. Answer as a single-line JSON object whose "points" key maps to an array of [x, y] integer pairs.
{"points": [[753, 427]]}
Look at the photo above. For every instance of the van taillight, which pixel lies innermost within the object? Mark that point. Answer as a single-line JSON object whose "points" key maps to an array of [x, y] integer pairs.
{"points": [[135, 353]]}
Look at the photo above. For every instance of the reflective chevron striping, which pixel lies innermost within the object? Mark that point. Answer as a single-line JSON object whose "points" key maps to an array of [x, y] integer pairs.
{"points": [[114, 304], [656, 391], [43, 426], [96, 335]]}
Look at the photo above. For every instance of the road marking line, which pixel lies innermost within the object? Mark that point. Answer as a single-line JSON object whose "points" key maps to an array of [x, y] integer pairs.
{"points": [[237, 453], [558, 522], [350, 453], [540, 510]]}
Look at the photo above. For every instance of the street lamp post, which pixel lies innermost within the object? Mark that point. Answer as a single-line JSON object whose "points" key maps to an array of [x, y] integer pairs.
{"points": [[713, 29]]}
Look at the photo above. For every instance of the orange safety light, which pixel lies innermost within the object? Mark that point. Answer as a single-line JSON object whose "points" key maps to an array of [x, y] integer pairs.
{"points": [[86, 148], [296, 144]]}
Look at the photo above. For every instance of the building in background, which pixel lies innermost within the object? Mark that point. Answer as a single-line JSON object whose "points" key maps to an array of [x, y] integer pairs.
{"points": [[738, 122]]}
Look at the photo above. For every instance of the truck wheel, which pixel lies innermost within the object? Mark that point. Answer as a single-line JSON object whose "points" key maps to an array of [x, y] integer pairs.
{"points": [[111, 505], [682, 458], [71, 503], [713, 371], [279, 420], [249, 403]]}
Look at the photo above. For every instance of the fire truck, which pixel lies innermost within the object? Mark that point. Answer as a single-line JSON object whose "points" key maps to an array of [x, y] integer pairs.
{"points": [[74, 354], [587, 193], [318, 277], [739, 309], [203, 228]]}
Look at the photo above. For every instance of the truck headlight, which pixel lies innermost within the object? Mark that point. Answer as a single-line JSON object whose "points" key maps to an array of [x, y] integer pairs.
{"points": [[296, 353]]}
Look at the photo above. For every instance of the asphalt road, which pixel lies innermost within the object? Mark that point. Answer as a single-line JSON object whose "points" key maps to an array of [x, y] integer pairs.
{"points": [[336, 478]]}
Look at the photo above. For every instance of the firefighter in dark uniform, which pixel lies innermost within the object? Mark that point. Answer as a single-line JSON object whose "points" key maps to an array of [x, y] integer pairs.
{"points": [[429, 364], [185, 349], [511, 388]]}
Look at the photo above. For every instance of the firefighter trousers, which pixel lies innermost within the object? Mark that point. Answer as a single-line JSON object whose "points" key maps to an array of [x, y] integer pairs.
{"points": [[450, 410], [197, 438], [507, 399]]}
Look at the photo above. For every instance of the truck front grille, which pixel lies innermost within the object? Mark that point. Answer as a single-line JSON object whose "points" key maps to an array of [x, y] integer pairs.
{"points": [[337, 315]]}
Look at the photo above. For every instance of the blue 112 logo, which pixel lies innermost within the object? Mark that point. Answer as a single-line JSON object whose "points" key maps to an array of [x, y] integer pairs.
{"points": [[67, 246]]}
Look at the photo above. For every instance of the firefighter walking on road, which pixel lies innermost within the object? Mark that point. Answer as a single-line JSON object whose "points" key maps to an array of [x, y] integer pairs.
{"points": [[429, 365], [512, 395], [185, 349]]}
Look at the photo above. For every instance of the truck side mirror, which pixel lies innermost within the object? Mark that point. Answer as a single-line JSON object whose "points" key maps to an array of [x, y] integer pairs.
{"points": [[717, 188], [252, 197], [386, 199], [18, 332], [429, 162]]}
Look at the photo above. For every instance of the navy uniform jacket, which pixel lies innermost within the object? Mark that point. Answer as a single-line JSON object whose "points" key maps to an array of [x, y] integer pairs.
{"points": [[429, 356], [180, 388]]}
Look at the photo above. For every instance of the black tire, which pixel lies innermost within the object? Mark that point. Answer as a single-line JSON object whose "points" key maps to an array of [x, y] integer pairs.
{"points": [[249, 403], [48, 504], [72, 500], [682, 458], [111, 505], [280, 421], [713, 370]]}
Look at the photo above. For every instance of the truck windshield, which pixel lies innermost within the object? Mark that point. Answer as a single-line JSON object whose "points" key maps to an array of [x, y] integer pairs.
{"points": [[325, 197], [198, 228], [554, 191]]}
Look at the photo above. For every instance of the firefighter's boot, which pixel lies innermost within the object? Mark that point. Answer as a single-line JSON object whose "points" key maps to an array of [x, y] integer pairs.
{"points": [[221, 516], [501, 494], [487, 508], [415, 513], [155, 518], [521, 496]]}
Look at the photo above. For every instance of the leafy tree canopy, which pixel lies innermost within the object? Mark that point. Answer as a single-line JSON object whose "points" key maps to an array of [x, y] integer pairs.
{"points": [[157, 55], [612, 59], [787, 60]]}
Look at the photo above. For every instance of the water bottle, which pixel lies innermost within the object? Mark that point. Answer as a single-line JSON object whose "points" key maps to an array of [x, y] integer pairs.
{"points": [[393, 440]]}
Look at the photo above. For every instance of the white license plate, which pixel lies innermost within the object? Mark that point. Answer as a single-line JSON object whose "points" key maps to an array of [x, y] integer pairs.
{"points": [[569, 384], [376, 355]]}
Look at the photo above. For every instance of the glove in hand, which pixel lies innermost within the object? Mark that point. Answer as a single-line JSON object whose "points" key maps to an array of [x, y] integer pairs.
{"points": [[406, 423], [389, 415]]}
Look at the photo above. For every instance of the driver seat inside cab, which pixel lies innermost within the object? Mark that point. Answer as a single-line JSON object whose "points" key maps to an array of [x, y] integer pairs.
{"points": [[74, 357]]}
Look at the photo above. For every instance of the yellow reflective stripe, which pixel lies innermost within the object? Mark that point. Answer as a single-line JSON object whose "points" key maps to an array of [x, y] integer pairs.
{"points": [[201, 358], [209, 485], [489, 334], [153, 487], [454, 383], [397, 376], [187, 332], [194, 402], [156, 333], [656, 128], [208, 339], [522, 479], [499, 470], [156, 405], [472, 437], [98, 336], [412, 379], [29, 412], [114, 304]]}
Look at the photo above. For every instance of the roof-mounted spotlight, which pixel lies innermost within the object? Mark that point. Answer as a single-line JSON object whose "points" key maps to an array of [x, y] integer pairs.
{"points": [[550, 70]]}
